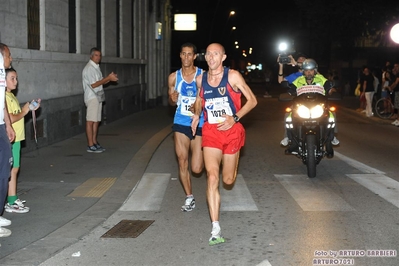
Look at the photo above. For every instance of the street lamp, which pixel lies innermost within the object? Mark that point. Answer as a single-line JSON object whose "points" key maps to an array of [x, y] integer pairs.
{"points": [[395, 33], [232, 13]]}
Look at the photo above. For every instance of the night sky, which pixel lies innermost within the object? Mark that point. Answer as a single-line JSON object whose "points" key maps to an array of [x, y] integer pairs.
{"points": [[257, 27]]}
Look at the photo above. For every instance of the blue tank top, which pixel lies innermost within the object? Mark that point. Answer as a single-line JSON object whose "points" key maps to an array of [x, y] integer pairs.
{"points": [[187, 95]]}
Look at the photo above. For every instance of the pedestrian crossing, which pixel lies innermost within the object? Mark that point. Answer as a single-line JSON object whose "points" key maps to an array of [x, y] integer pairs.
{"points": [[238, 198], [309, 194], [150, 191], [385, 187], [312, 195]]}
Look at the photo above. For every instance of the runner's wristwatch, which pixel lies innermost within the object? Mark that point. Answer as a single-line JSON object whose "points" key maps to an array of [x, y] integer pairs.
{"points": [[236, 118]]}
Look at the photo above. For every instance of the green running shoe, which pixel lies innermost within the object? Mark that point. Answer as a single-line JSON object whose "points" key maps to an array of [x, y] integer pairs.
{"points": [[214, 240]]}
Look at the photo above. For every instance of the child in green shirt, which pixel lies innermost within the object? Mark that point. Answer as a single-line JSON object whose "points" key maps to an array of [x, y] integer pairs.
{"points": [[17, 114]]}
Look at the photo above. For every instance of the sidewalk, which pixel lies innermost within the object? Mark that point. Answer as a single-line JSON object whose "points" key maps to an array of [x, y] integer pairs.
{"points": [[70, 191], [352, 104]]}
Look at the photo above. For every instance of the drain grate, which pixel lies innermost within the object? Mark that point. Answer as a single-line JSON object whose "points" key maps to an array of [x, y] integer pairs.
{"points": [[128, 229]]}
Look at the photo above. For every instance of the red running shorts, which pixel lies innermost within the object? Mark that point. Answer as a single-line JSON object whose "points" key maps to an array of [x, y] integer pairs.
{"points": [[229, 141]]}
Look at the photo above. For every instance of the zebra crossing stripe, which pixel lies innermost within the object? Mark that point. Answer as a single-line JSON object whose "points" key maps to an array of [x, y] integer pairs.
{"points": [[264, 263], [148, 193], [238, 198], [385, 187], [358, 165], [311, 194]]}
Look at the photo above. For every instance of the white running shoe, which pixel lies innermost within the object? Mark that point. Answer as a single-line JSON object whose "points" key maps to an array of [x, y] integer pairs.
{"points": [[285, 141], [395, 123], [216, 236], [189, 204], [15, 208], [335, 141], [4, 232], [4, 221]]}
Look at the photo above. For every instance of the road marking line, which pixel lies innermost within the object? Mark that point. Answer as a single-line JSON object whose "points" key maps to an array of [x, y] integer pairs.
{"points": [[383, 186], [358, 165], [148, 194], [238, 198], [264, 263], [311, 194]]}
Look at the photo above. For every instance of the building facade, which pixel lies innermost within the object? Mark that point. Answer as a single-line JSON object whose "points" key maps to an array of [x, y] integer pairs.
{"points": [[50, 42]]}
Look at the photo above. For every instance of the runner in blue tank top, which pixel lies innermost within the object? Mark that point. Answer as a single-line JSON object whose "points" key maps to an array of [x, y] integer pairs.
{"points": [[182, 94]]}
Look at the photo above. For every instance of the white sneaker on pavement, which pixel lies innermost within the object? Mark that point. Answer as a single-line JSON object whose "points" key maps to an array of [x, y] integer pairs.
{"points": [[17, 207], [4, 221], [395, 123], [4, 232], [335, 141], [189, 204], [284, 142], [216, 236]]}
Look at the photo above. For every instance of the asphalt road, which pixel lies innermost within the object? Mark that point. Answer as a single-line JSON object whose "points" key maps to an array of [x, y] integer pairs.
{"points": [[274, 215]]}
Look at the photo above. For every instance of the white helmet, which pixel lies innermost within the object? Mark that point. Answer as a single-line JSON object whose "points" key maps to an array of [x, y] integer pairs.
{"points": [[309, 64]]}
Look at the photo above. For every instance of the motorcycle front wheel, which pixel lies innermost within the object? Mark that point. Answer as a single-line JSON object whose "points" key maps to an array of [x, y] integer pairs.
{"points": [[311, 155]]}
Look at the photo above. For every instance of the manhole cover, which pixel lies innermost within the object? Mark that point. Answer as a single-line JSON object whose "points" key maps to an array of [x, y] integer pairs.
{"points": [[128, 229]]}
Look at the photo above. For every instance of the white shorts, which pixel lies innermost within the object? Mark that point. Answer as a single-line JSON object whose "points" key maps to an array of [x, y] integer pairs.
{"points": [[94, 110]]}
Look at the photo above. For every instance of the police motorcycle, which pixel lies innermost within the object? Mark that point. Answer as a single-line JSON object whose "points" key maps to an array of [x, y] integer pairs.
{"points": [[310, 123]]}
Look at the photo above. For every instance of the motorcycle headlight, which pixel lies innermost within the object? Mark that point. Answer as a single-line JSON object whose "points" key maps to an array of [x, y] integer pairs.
{"points": [[303, 111], [314, 112]]}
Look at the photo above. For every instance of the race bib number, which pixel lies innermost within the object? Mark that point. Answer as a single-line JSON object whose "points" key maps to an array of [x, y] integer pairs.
{"points": [[215, 109], [186, 103]]}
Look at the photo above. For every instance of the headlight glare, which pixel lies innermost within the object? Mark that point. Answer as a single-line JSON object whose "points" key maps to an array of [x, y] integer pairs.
{"points": [[316, 111], [303, 111]]}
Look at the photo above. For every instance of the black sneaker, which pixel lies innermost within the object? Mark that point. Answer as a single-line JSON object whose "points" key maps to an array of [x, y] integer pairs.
{"points": [[99, 147], [93, 149]]}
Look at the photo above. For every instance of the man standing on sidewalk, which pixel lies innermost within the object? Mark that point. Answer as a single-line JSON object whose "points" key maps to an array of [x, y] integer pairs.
{"points": [[7, 135], [182, 92], [94, 97], [219, 96]]}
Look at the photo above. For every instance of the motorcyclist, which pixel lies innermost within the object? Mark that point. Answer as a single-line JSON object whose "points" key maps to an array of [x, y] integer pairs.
{"points": [[310, 77]]}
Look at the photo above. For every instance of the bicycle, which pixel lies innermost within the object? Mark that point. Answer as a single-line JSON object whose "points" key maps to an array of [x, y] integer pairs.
{"points": [[384, 107]]}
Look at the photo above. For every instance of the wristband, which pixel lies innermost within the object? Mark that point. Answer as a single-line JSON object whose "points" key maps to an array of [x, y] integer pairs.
{"points": [[280, 75]]}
